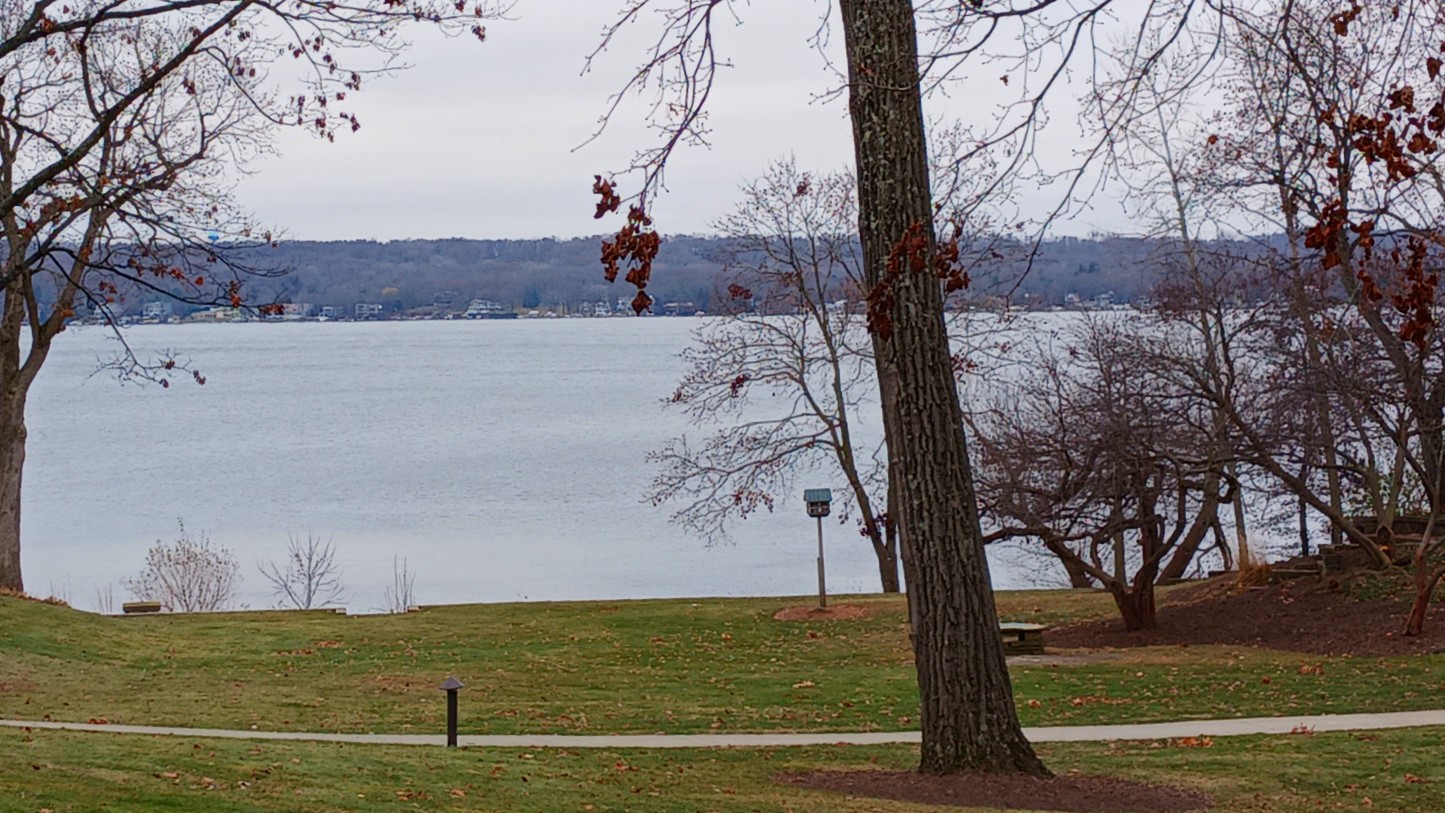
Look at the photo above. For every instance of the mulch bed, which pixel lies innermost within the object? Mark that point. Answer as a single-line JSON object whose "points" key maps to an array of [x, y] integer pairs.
{"points": [[837, 612], [1310, 615], [1069, 794]]}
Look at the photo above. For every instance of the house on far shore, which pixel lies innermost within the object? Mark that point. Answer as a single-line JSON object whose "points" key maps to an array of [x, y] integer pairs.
{"points": [[489, 309], [368, 310], [156, 312], [679, 309]]}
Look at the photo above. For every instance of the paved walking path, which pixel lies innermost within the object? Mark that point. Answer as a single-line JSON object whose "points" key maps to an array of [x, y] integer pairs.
{"points": [[1085, 733]]}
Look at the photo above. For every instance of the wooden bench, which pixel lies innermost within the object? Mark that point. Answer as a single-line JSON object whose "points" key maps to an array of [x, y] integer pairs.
{"points": [[134, 607], [1022, 639]]}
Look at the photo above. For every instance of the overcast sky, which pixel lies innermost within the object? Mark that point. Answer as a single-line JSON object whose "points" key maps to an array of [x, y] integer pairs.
{"points": [[484, 140]]}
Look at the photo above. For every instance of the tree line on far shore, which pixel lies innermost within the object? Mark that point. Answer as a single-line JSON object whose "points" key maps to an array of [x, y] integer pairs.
{"points": [[437, 277]]}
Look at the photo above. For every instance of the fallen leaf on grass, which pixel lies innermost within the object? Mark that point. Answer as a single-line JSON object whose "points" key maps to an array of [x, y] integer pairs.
{"points": [[1303, 730], [1194, 742], [804, 684], [1411, 779]]}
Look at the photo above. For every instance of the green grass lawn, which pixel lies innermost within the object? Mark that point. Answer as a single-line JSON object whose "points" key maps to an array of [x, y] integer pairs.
{"points": [[1397, 771], [629, 666]]}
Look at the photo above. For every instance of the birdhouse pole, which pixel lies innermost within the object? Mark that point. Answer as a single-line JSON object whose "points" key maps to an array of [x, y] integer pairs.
{"points": [[819, 500]]}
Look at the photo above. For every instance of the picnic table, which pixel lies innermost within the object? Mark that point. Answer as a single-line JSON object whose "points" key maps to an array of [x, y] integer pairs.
{"points": [[1022, 639]]}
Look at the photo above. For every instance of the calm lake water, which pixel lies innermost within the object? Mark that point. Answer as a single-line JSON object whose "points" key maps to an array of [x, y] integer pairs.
{"points": [[503, 460]]}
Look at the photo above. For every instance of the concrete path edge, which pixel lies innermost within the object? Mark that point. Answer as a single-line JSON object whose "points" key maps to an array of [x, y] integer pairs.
{"points": [[1089, 733]]}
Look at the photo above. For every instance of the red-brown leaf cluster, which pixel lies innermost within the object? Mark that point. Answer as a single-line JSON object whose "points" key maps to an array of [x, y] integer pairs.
{"points": [[1342, 20], [608, 200], [1416, 297], [1399, 136], [635, 245], [911, 254], [736, 387]]}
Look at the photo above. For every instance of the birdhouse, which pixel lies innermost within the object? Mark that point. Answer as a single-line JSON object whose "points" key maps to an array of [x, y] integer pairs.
{"points": [[818, 500]]}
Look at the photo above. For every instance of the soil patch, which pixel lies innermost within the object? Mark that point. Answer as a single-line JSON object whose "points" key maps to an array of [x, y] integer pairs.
{"points": [[837, 612], [1071, 794], [1315, 615]]}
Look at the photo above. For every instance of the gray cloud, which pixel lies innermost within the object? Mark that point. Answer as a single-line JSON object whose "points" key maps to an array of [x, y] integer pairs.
{"points": [[481, 140]]}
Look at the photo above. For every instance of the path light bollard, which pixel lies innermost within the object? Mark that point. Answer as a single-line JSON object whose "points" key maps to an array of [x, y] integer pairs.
{"points": [[450, 687], [818, 500]]}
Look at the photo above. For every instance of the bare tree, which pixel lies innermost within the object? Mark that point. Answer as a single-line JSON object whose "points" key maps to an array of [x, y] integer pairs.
{"points": [[188, 575], [119, 120], [1106, 464], [784, 373], [308, 577]]}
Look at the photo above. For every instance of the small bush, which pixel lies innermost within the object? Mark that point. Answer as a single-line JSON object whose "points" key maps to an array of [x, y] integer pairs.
{"points": [[188, 575]]}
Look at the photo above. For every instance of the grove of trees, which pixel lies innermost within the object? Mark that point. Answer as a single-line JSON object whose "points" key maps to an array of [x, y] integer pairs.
{"points": [[121, 125], [1308, 366]]}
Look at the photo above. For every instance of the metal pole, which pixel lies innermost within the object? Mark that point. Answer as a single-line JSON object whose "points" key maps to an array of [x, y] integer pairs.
{"points": [[822, 585], [452, 718]]}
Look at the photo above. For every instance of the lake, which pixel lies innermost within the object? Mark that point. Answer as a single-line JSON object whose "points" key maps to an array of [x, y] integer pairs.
{"points": [[503, 460]]}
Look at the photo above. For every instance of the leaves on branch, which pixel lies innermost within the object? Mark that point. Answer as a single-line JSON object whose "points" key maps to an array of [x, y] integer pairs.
{"points": [[635, 245], [911, 254]]}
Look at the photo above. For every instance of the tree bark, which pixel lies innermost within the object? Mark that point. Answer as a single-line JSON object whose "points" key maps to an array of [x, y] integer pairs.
{"points": [[12, 444], [12, 461], [1078, 577], [1188, 547], [887, 568], [1425, 578], [1136, 605], [1424, 588], [966, 700]]}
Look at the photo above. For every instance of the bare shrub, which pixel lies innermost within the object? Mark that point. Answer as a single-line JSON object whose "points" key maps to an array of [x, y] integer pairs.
{"points": [[188, 575], [105, 599], [308, 577], [402, 592]]}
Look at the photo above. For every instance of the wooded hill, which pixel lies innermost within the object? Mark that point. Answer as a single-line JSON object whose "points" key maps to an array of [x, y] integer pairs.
{"points": [[406, 275]]}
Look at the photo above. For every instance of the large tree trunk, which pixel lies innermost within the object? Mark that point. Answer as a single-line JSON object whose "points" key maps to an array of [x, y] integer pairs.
{"points": [[888, 569], [1078, 573], [1425, 578], [1136, 605], [967, 711], [1425, 582], [1188, 546], [12, 462], [12, 442]]}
